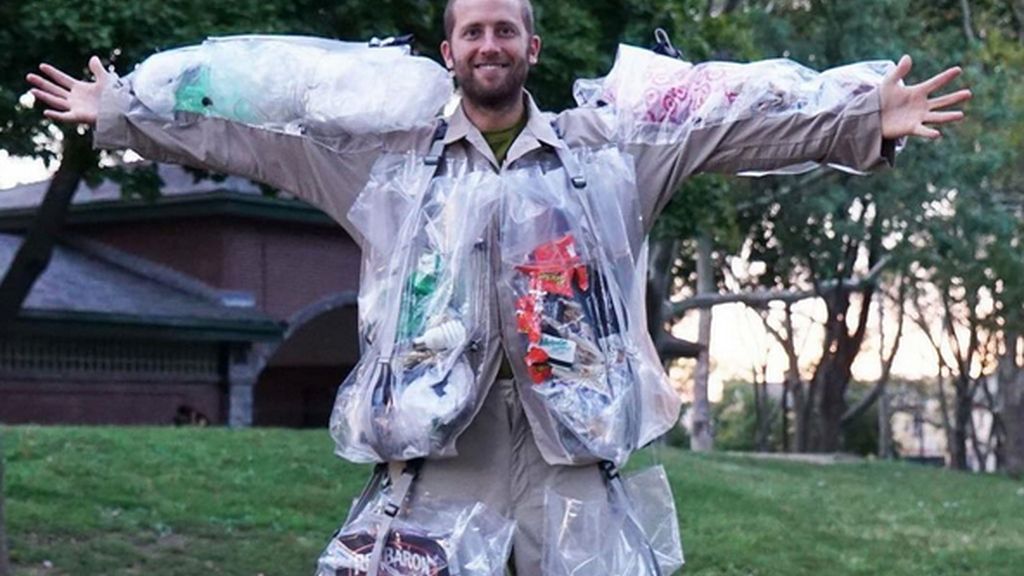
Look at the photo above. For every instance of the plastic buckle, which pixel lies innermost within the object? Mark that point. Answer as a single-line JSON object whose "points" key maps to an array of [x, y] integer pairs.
{"points": [[579, 182], [391, 509], [609, 469]]}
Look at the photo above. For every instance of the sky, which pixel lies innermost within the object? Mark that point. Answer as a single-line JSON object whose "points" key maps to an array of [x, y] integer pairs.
{"points": [[14, 171]]}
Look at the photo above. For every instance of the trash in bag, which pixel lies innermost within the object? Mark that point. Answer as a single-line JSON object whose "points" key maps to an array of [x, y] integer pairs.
{"points": [[424, 314], [576, 342], [295, 84], [431, 538], [660, 100], [635, 531]]}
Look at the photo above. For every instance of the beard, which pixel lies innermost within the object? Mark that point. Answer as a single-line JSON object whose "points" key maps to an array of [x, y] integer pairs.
{"points": [[496, 96]]}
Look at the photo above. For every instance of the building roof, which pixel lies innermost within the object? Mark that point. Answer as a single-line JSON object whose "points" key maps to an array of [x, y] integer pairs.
{"points": [[92, 288], [180, 195]]}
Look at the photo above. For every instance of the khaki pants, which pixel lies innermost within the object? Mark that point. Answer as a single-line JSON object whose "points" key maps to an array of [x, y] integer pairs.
{"points": [[499, 464]]}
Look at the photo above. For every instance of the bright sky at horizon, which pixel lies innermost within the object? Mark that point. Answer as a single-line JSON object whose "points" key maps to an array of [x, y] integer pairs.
{"points": [[18, 170]]}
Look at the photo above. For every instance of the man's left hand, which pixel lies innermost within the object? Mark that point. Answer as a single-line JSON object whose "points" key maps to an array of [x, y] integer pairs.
{"points": [[911, 110]]}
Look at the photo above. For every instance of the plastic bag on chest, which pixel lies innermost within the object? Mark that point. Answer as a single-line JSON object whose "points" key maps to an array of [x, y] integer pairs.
{"points": [[422, 323], [572, 311]]}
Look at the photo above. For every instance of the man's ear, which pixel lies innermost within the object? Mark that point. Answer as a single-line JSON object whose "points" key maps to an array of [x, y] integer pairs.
{"points": [[446, 54], [533, 51]]}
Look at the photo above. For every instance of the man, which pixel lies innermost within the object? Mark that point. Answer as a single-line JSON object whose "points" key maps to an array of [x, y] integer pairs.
{"points": [[504, 456]]}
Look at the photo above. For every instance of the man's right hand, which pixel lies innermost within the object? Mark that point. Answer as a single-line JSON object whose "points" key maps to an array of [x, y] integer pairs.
{"points": [[66, 99]]}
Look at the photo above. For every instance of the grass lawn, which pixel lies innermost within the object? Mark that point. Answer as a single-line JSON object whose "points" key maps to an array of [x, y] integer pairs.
{"points": [[164, 501]]}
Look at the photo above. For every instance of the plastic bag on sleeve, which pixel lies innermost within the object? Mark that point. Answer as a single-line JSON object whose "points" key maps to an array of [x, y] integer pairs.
{"points": [[655, 99], [295, 84], [430, 538]]}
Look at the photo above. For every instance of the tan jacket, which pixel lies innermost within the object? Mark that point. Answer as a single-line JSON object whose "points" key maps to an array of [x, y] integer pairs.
{"points": [[331, 171]]}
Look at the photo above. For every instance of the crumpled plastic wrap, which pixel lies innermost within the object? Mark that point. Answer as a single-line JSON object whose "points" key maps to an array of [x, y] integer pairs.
{"points": [[654, 99], [636, 535], [425, 312], [590, 380], [295, 84], [431, 538]]}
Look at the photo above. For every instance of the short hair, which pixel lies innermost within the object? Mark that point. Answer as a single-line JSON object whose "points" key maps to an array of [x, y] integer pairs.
{"points": [[449, 17]]}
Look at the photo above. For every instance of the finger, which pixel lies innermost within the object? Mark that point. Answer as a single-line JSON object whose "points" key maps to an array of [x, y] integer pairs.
{"points": [[900, 71], [55, 102], [58, 76], [926, 132], [941, 79], [96, 67], [46, 86], [60, 116], [950, 99], [943, 117]]}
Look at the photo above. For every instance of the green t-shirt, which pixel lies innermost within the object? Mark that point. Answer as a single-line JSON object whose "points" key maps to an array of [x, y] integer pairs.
{"points": [[501, 140]]}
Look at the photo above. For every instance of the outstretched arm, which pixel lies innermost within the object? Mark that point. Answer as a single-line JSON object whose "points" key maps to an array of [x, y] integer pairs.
{"points": [[678, 118], [325, 176], [912, 110]]}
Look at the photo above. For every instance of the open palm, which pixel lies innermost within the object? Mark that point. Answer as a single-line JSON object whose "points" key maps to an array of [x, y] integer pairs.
{"points": [[911, 110], [67, 99]]}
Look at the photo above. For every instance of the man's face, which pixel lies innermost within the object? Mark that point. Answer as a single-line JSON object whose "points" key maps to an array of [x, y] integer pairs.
{"points": [[490, 51]]}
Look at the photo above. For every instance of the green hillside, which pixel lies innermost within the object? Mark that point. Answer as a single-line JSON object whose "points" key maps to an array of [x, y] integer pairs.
{"points": [[162, 502]]}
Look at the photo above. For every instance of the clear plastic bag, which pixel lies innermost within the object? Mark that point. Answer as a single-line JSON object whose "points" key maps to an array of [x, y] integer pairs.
{"points": [[431, 538], [295, 84], [425, 312], [655, 99], [635, 532], [591, 383]]}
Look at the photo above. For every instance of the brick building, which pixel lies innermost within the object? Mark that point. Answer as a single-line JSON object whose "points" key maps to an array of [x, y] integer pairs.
{"points": [[213, 301]]}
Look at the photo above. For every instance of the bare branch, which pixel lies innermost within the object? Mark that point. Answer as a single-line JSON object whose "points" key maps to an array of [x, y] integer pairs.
{"points": [[887, 363], [965, 9], [762, 298]]}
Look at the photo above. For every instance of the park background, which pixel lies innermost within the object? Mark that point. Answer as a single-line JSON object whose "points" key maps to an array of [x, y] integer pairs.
{"points": [[877, 316]]}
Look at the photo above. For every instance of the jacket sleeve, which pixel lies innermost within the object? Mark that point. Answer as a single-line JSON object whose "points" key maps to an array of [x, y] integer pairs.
{"points": [[325, 176], [774, 116]]}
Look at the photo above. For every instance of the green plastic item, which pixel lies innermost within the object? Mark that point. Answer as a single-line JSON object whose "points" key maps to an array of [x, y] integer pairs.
{"points": [[421, 285]]}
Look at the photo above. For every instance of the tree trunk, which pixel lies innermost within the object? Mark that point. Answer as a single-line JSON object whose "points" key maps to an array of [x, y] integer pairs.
{"points": [[701, 439], [832, 376], [885, 451], [1011, 391], [764, 416], [947, 425], [34, 253], [784, 405], [962, 404], [5, 563]]}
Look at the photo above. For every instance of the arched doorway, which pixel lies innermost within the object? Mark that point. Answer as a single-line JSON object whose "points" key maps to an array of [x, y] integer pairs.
{"points": [[298, 382]]}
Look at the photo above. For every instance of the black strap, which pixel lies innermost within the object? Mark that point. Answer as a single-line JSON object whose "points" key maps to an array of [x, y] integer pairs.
{"points": [[437, 144]]}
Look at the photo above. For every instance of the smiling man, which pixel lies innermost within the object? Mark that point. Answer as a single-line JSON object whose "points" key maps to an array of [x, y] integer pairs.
{"points": [[502, 317]]}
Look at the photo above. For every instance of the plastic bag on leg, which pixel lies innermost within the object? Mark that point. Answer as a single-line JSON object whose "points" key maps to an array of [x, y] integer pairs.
{"points": [[655, 510], [432, 538], [638, 535]]}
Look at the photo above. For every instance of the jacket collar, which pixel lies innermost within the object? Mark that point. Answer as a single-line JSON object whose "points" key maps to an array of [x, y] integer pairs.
{"points": [[537, 132]]}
